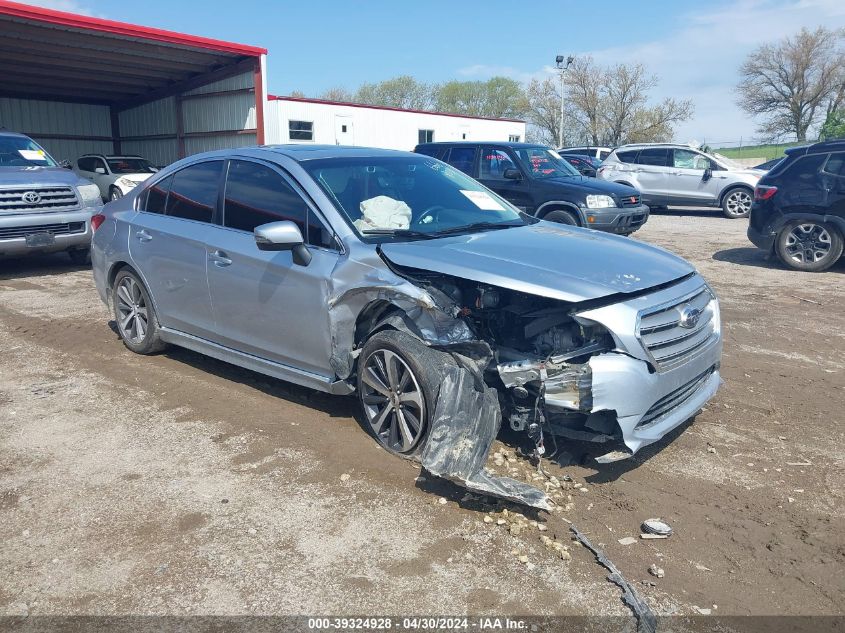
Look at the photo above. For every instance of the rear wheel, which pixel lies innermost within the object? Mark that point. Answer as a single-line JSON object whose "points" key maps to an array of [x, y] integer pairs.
{"points": [[809, 245], [737, 203], [562, 217], [115, 194], [398, 382], [135, 315]]}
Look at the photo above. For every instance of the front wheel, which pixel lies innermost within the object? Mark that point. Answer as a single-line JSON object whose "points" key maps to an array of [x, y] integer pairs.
{"points": [[562, 217], [808, 245], [398, 382], [115, 194], [737, 203]]}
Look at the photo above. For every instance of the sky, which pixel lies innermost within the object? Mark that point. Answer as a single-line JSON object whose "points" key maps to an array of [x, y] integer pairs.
{"points": [[694, 49]]}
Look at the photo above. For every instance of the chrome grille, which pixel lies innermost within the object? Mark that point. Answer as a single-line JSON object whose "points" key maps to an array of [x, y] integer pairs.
{"points": [[668, 342], [675, 398], [65, 228], [49, 199]]}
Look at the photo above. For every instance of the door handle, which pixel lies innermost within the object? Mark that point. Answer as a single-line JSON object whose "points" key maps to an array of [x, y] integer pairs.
{"points": [[220, 259], [143, 236]]}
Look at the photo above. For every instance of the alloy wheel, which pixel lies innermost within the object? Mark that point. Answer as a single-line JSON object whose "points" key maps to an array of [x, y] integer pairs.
{"points": [[393, 401], [738, 203], [133, 315], [808, 243]]}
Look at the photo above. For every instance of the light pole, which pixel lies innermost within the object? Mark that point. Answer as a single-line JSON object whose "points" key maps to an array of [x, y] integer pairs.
{"points": [[562, 64]]}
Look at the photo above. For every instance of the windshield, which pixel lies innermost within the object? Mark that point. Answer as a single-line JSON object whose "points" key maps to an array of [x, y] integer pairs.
{"points": [[19, 151], [543, 162], [408, 194], [130, 166]]}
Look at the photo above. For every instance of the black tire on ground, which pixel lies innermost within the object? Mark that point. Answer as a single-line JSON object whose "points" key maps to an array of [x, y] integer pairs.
{"points": [[80, 256], [398, 381], [562, 217], [809, 245], [736, 203], [115, 194], [134, 314]]}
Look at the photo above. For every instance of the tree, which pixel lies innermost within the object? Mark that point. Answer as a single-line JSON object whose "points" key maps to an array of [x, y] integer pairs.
{"points": [[603, 106], [400, 92], [336, 94], [497, 97], [833, 127], [789, 83]]}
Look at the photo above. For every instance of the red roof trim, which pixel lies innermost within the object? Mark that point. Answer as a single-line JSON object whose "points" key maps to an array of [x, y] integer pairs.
{"points": [[379, 107], [62, 18]]}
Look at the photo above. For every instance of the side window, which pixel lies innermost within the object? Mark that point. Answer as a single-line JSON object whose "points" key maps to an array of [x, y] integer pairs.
{"points": [[256, 195], [627, 156], [85, 164], [99, 162], [806, 168], [462, 158], [193, 194], [494, 162], [603, 154], [154, 199], [688, 159], [655, 156], [836, 164]]}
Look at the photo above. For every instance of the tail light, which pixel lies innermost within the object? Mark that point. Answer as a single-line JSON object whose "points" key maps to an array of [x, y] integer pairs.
{"points": [[762, 192], [96, 221]]}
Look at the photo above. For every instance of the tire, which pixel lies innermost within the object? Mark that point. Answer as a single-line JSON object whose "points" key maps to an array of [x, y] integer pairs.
{"points": [[562, 217], [115, 194], [809, 245], [416, 371], [138, 327], [80, 256], [736, 203]]}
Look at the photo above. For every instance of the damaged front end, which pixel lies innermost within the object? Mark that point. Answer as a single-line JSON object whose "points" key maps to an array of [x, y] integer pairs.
{"points": [[613, 370]]}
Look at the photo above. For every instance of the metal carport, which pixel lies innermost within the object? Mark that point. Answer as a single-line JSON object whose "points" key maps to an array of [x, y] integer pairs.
{"points": [[78, 84]]}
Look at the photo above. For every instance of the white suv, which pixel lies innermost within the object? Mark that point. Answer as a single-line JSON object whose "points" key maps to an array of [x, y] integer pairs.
{"points": [[681, 175], [114, 175]]}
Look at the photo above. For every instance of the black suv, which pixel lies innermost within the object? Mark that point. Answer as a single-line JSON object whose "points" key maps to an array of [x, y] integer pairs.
{"points": [[537, 180], [799, 207]]}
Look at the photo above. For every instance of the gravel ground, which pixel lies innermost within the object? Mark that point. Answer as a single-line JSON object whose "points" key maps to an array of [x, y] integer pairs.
{"points": [[177, 485]]}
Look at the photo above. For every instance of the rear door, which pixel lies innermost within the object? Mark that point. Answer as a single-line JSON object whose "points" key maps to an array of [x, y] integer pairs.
{"points": [[493, 163], [264, 304], [167, 244], [833, 184], [652, 175]]}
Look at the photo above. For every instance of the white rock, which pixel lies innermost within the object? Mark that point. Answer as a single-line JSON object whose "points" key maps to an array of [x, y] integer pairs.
{"points": [[628, 540], [344, 477], [442, 501]]}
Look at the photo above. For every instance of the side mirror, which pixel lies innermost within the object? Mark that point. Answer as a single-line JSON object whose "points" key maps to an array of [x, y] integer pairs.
{"points": [[100, 170], [65, 164], [708, 174], [283, 236], [512, 174]]}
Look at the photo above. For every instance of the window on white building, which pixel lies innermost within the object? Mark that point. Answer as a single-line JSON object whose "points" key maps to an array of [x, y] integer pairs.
{"points": [[513, 138], [426, 136], [301, 130]]}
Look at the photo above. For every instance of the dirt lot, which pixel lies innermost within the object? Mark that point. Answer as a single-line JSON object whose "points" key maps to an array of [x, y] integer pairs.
{"points": [[180, 485]]}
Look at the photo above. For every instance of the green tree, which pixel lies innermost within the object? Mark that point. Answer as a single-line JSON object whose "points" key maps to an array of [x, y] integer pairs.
{"points": [[834, 126], [499, 97], [399, 92]]}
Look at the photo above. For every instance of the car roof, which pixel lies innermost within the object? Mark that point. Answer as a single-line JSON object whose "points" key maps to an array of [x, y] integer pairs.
{"points": [[666, 145], [312, 152], [10, 133], [110, 156], [513, 144]]}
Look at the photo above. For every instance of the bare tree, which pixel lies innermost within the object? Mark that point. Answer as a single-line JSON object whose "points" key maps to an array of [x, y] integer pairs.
{"points": [[584, 81], [790, 83], [543, 111], [337, 94]]}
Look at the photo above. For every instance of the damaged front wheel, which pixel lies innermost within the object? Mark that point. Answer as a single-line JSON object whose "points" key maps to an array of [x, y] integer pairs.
{"points": [[398, 378]]}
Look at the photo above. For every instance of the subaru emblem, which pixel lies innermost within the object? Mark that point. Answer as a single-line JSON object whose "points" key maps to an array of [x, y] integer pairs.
{"points": [[689, 317], [31, 197]]}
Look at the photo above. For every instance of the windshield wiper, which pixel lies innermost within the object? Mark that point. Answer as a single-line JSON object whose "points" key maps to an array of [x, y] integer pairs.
{"points": [[400, 233], [477, 226]]}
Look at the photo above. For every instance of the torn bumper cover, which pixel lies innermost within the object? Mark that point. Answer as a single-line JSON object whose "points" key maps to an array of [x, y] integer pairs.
{"points": [[466, 421]]}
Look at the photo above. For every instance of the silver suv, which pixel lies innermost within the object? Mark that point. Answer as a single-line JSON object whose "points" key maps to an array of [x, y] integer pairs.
{"points": [[396, 276], [680, 175], [43, 207]]}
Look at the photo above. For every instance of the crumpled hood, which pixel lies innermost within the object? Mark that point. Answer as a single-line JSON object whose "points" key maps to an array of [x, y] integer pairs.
{"points": [[35, 176], [545, 259]]}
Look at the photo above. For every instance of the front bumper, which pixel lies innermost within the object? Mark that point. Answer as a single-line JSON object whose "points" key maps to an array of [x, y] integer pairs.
{"points": [[620, 220], [70, 230]]}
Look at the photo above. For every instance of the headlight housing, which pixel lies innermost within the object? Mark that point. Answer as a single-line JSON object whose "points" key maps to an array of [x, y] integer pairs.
{"points": [[90, 195], [125, 183], [600, 202]]}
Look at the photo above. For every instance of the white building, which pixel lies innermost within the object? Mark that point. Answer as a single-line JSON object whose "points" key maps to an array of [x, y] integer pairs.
{"points": [[298, 120]]}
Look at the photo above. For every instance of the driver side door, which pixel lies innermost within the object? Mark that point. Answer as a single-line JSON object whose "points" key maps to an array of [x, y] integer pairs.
{"points": [[492, 165], [265, 304]]}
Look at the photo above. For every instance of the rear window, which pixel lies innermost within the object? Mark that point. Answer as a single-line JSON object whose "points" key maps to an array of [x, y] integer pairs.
{"points": [[603, 154], [654, 156], [154, 199], [836, 164], [462, 158], [627, 156], [806, 168]]}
